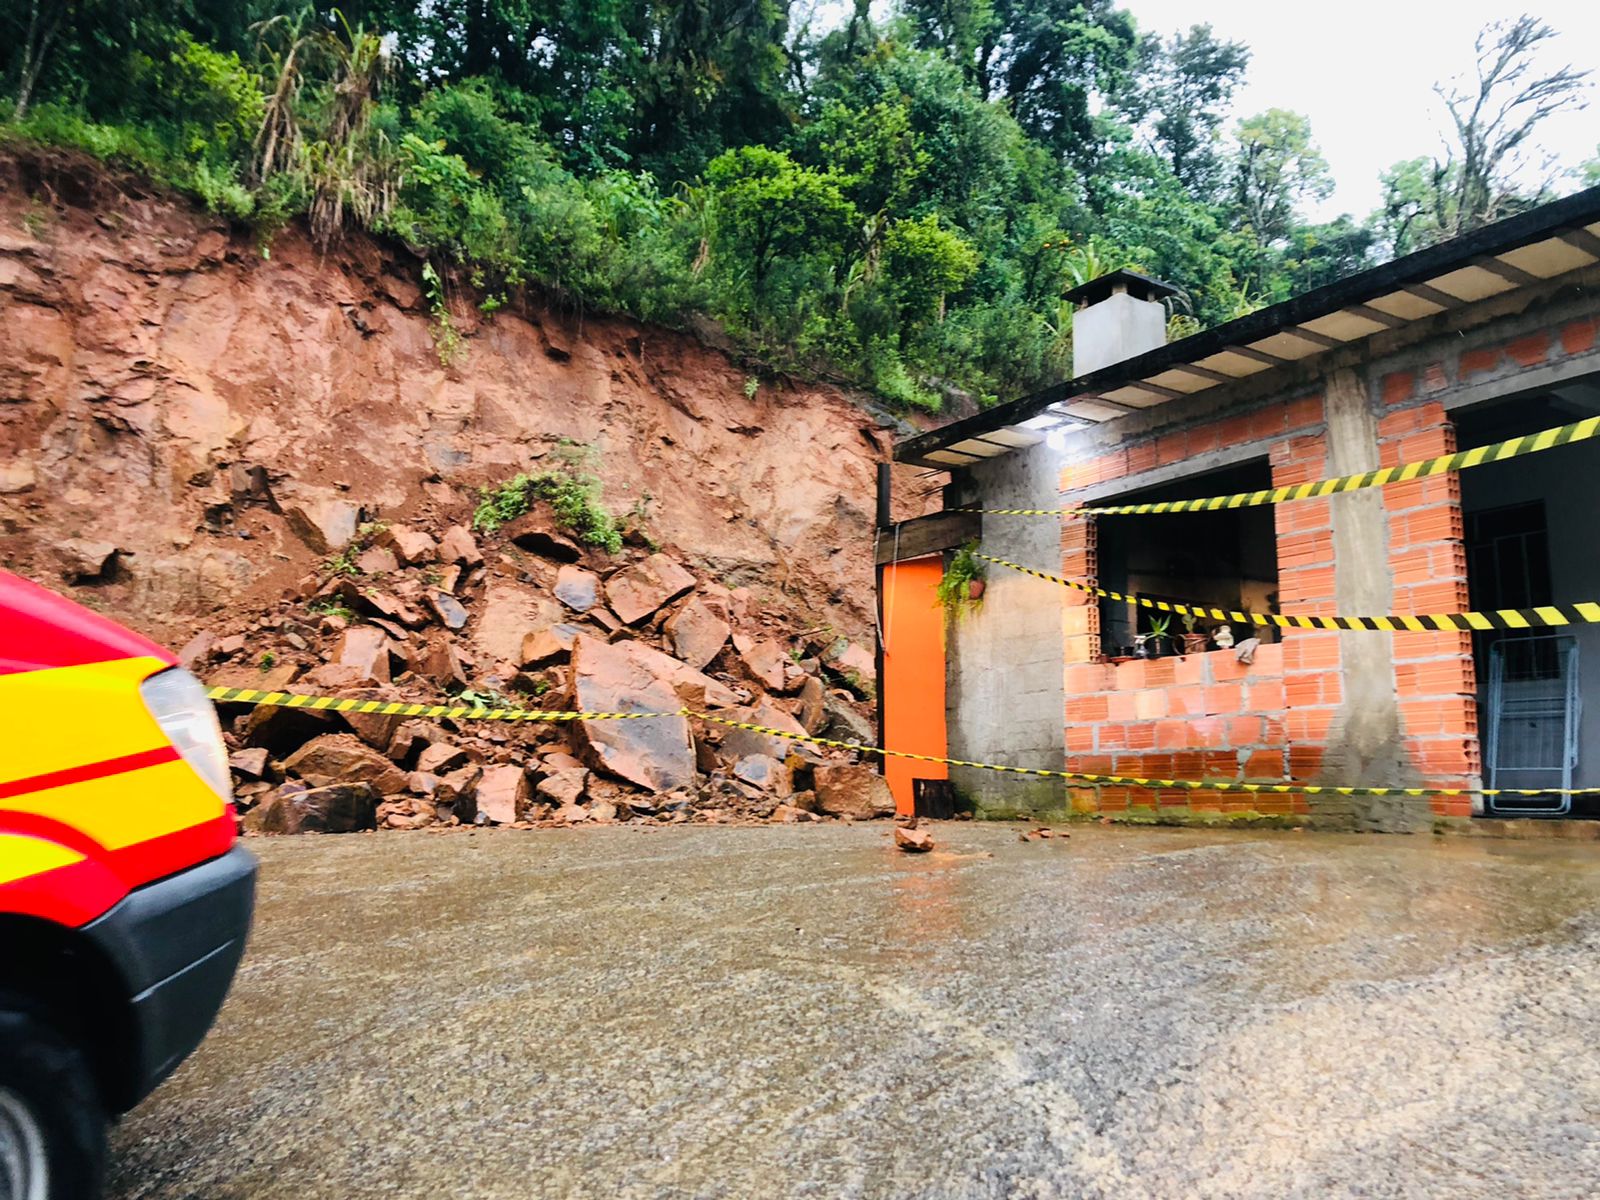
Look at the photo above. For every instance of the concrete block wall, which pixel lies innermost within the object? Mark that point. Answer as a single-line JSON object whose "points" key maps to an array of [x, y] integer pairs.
{"points": [[1004, 692]]}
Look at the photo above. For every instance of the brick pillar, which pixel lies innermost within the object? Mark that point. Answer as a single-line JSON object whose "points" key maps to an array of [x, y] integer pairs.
{"points": [[1434, 673]]}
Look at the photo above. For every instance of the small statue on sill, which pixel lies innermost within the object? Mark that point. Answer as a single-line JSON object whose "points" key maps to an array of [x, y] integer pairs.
{"points": [[1223, 636]]}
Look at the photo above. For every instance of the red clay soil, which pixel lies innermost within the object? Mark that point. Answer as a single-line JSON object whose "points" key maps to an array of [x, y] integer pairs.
{"points": [[150, 355]]}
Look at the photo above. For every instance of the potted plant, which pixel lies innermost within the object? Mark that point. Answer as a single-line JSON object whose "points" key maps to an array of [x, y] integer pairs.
{"points": [[961, 589], [1149, 645], [1194, 642]]}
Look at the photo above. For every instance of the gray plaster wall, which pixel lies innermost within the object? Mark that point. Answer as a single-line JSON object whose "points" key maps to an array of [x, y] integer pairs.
{"points": [[1005, 661]]}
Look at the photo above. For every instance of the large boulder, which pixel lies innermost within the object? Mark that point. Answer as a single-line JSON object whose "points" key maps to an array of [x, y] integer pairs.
{"points": [[762, 660], [511, 611], [322, 520], [412, 547], [741, 743], [343, 758], [655, 753], [637, 592], [539, 533], [852, 790], [338, 808], [697, 632]]}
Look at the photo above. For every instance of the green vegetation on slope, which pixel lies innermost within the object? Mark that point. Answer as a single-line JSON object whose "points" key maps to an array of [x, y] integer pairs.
{"points": [[900, 203]]}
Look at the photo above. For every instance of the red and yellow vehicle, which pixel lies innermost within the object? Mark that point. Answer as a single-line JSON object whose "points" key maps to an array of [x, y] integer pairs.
{"points": [[124, 900]]}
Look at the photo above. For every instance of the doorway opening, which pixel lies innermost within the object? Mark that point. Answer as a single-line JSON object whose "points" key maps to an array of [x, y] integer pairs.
{"points": [[1530, 539]]}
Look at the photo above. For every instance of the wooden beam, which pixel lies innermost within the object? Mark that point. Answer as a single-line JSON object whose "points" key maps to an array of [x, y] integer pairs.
{"points": [[1506, 271], [1260, 356], [1376, 315], [1159, 389], [1583, 240], [1116, 404], [1312, 336], [927, 535], [1433, 295], [1200, 372]]}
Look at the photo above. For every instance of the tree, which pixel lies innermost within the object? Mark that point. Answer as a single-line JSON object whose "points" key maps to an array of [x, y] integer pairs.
{"points": [[1589, 172], [1051, 61], [768, 207], [1493, 115], [1276, 168], [1186, 85], [925, 263]]}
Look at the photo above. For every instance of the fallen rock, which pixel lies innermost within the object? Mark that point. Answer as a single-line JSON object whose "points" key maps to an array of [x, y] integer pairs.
{"points": [[697, 632], [789, 814], [847, 658], [764, 772], [913, 841], [16, 478], [366, 648], [85, 561], [377, 560], [548, 645], [852, 790], [337, 808], [411, 738], [763, 661], [564, 787], [813, 712], [440, 758], [636, 592], [323, 523], [578, 589], [451, 612], [342, 758], [509, 612], [251, 763], [412, 547], [502, 794], [740, 743], [459, 546], [843, 723], [655, 753], [438, 660]]}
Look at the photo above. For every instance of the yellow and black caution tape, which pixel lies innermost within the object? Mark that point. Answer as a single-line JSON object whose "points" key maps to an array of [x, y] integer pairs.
{"points": [[1547, 616], [1198, 785], [479, 713], [391, 708], [1532, 443]]}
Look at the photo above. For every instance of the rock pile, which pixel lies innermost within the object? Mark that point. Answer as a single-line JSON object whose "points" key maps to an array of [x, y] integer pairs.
{"points": [[528, 618]]}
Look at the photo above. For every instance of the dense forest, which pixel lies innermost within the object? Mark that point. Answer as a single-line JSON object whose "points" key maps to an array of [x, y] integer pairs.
{"points": [[899, 202]]}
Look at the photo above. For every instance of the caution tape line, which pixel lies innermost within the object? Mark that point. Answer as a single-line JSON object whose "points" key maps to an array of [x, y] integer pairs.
{"points": [[1547, 616], [1532, 443], [389, 708], [1206, 785]]}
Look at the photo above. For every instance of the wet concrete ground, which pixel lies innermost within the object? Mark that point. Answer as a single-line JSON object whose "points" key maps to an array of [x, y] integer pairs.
{"points": [[797, 1011]]}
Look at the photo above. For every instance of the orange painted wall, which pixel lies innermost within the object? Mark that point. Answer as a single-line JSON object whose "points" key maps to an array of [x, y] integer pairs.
{"points": [[912, 692]]}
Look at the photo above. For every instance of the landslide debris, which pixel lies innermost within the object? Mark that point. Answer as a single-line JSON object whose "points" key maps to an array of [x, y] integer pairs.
{"points": [[427, 611]]}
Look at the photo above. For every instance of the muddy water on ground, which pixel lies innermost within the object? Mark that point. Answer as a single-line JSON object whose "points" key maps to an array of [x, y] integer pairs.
{"points": [[804, 1012]]}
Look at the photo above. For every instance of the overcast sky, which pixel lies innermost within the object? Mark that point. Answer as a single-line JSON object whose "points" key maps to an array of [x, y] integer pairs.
{"points": [[1363, 71]]}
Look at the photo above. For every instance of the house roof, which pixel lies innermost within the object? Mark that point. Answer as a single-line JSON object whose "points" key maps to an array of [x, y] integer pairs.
{"points": [[1533, 246]]}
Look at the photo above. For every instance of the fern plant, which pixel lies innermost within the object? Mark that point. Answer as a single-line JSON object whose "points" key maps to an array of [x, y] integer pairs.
{"points": [[956, 592]]}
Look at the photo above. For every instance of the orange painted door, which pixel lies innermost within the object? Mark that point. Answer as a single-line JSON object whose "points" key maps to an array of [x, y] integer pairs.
{"points": [[912, 692]]}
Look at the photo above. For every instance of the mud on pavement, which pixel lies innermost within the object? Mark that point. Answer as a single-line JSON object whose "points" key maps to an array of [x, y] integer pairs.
{"points": [[801, 1011]]}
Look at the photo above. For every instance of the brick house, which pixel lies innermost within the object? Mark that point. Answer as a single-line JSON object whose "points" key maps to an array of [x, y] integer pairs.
{"points": [[1491, 336]]}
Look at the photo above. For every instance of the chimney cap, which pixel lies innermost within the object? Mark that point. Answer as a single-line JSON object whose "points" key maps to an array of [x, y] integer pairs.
{"points": [[1101, 287]]}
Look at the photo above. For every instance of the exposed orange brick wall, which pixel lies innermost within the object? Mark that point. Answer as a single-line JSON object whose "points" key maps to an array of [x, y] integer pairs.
{"points": [[1208, 717]]}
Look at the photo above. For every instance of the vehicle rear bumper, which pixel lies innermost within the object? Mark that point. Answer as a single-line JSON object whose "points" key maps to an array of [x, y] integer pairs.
{"points": [[177, 943]]}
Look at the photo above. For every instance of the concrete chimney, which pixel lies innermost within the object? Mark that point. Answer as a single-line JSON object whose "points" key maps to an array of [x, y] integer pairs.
{"points": [[1119, 316]]}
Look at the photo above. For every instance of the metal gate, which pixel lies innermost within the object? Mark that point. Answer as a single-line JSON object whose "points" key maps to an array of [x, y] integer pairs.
{"points": [[1532, 714]]}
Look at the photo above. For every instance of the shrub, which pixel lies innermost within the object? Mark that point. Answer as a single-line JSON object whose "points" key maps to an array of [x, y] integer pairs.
{"points": [[573, 495]]}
